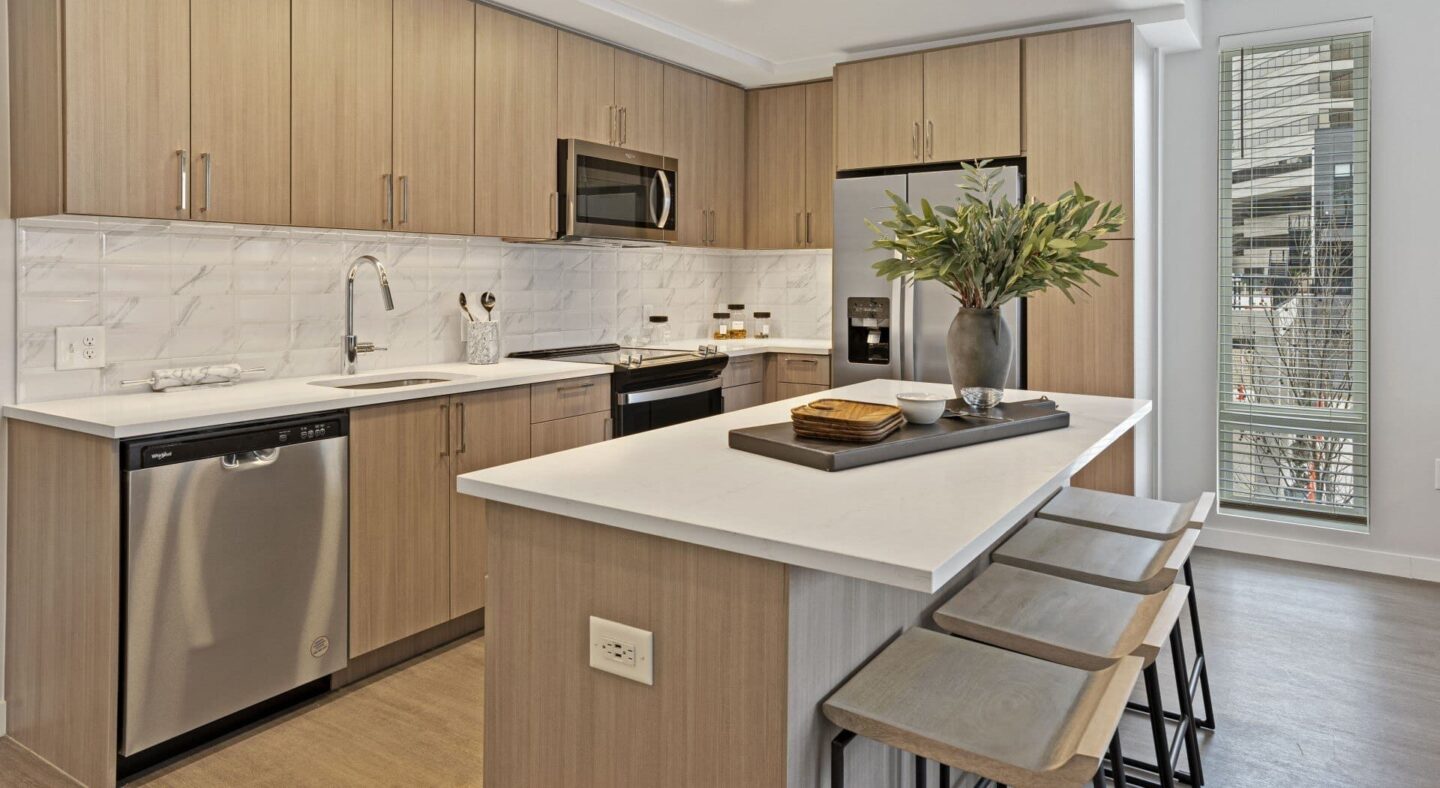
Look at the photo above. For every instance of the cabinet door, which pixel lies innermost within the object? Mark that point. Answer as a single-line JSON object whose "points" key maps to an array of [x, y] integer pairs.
{"points": [[489, 428], [341, 114], [435, 116], [878, 107], [399, 521], [725, 126], [587, 89], [548, 437], [240, 110], [685, 141], [785, 390], [640, 95], [820, 164], [516, 85], [776, 159], [1078, 109], [127, 108], [972, 101], [746, 396]]}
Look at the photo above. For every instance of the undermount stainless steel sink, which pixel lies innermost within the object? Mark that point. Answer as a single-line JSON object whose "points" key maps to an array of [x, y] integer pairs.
{"points": [[390, 381]]}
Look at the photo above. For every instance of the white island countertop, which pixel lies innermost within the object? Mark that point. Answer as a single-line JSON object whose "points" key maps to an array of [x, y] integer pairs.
{"points": [[149, 413], [913, 523]]}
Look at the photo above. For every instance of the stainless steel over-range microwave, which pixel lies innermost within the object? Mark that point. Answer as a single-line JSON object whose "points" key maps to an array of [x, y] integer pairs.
{"points": [[614, 195]]}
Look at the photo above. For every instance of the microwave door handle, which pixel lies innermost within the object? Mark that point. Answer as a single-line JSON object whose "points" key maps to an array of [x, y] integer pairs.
{"points": [[650, 199], [665, 194]]}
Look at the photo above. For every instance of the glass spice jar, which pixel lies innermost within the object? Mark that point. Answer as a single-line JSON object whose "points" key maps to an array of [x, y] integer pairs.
{"points": [[762, 325], [722, 326], [737, 327], [659, 332]]}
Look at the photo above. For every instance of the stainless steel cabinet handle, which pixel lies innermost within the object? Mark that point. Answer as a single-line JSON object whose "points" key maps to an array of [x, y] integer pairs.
{"points": [[614, 125], [801, 361], [445, 420], [712, 226], [389, 200], [209, 179], [624, 125], [808, 238], [929, 138], [460, 411], [915, 141], [799, 238], [184, 179], [404, 199], [575, 386]]}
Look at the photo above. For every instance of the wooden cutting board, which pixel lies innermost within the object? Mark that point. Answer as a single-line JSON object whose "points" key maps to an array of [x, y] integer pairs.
{"points": [[845, 420]]}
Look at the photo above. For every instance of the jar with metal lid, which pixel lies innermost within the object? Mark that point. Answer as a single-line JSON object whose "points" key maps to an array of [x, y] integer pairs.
{"points": [[762, 325], [737, 327], [722, 326], [658, 331]]}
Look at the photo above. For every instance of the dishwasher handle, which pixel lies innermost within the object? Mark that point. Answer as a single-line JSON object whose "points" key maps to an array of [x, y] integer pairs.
{"points": [[245, 460]]}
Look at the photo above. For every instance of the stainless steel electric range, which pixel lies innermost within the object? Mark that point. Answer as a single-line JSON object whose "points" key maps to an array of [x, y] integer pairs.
{"points": [[651, 388]]}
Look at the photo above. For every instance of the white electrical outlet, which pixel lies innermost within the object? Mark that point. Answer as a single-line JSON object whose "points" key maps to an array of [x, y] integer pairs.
{"points": [[80, 347], [623, 650]]}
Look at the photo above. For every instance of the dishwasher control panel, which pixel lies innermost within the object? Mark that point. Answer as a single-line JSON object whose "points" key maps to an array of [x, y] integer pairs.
{"points": [[158, 450]]}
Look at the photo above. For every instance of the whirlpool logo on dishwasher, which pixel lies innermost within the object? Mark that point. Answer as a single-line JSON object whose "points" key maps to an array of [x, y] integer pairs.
{"points": [[162, 455]]}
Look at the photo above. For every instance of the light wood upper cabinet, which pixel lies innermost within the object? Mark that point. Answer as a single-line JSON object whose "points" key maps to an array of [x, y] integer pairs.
{"points": [[879, 105], [820, 164], [341, 172], [725, 132], [587, 108], [400, 483], [490, 428], [240, 111], [639, 92], [775, 186], [1079, 100], [435, 116], [972, 101], [127, 108], [515, 125], [685, 141]]}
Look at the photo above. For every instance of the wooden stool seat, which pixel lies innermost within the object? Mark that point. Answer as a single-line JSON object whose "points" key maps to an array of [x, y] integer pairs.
{"points": [[1006, 716], [1090, 555], [1058, 620], [1127, 514]]}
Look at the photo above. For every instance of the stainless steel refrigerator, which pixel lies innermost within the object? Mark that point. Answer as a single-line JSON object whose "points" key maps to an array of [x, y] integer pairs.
{"points": [[897, 329]]}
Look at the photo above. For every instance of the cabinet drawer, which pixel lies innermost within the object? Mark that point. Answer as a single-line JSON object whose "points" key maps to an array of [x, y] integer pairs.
{"points": [[788, 390], [563, 398], [746, 396], [742, 370], [568, 433], [796, 368]]}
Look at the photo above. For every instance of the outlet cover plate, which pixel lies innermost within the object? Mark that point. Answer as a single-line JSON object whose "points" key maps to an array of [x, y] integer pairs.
{"points": [[622, 650], [79, 347]]}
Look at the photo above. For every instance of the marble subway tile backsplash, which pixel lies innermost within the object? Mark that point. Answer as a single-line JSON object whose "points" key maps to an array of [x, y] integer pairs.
{"points": [[182, 293]]}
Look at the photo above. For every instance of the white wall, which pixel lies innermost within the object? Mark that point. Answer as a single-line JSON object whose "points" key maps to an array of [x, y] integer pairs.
{"points": [[1404, 536]]}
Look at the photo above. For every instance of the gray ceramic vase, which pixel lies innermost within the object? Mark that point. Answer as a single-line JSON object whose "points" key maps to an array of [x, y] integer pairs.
{"points": [[978, 345]]}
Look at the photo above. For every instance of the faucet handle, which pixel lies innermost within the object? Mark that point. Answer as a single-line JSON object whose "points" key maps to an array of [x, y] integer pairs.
{"points": [[367, 347]]}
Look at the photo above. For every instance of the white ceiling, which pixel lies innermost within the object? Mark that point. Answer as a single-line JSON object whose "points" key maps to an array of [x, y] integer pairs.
{"points": [[760, 42]]}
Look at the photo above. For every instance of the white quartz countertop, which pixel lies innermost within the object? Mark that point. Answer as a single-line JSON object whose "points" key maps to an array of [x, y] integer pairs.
{"points": [[913, 523], [147, 412]]}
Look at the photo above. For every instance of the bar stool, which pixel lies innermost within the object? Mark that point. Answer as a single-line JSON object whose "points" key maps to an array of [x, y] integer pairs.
{"points": [[1088, 627], [1153, 519], [1103, 558], [1005, 716]]}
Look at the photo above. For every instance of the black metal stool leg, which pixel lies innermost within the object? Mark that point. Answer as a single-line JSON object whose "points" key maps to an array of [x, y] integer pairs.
{"points": [[1187, 708], [1157, 727], [944, 776], [1099, 780], [1208, 723], [837, 758], [919, 772], [1117, 762]]}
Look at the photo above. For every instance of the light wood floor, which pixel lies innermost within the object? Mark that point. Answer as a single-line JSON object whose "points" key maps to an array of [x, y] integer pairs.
{"points": [[1322, 677]]}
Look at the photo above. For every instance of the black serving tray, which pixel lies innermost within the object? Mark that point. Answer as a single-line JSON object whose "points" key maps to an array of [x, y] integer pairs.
{"points": [[1005, 420]]}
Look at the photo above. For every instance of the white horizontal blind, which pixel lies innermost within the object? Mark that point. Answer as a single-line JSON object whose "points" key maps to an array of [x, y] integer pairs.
{"points": [[1294, 278]]}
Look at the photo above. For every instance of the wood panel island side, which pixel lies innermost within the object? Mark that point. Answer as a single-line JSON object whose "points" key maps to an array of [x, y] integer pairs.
{"points": [[764, 584]]}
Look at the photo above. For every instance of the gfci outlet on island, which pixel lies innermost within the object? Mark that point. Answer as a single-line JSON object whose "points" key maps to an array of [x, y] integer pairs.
{"points": [[80, 347], [622, 650]]}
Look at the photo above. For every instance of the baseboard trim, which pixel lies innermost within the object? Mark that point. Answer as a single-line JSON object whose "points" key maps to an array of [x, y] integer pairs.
{"points": [[1339, 556]]}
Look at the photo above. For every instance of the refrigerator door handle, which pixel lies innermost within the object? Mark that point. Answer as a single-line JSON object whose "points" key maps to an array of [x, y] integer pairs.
{"points": [[905, 299]]}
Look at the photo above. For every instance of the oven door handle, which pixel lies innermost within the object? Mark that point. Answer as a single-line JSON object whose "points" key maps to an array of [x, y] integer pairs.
{"points": [[667, 392], [665, 193]]}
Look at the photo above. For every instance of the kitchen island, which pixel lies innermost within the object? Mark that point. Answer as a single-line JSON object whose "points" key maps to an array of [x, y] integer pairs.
{"points": [[764, 584]]}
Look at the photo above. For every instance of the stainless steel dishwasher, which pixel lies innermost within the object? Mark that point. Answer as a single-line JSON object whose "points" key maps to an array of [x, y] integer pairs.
{"points": [[235, 570]]}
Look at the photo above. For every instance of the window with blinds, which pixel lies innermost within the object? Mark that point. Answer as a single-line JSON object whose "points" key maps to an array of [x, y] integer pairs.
{"points": [[1294, 259]]}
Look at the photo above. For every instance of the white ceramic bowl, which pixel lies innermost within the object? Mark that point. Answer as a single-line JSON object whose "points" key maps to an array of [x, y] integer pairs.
{"points": [[919, 407]]}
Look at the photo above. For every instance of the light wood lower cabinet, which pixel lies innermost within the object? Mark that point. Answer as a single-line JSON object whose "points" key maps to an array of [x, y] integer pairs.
{"points": [[784, 390], [399, 521], [746, 396], [803, 368], [492, 428], [574, 397], [548, 437]]}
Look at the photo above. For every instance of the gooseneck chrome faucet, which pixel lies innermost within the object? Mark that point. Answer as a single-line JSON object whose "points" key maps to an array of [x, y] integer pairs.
{"points": [[354, 347]]}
